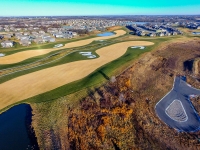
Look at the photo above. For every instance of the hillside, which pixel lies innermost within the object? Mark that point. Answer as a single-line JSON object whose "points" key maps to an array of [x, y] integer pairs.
{"points": [[120, 114]]}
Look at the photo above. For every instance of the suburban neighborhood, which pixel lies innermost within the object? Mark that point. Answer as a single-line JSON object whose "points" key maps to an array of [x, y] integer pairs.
{"points": [[28, 30]]}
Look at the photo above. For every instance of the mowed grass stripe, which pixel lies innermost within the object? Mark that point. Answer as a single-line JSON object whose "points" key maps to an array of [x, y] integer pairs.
{"points": [[20, 56], [29, 85]]}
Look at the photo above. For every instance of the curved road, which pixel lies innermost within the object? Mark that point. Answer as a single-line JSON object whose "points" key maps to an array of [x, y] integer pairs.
{"points": [[180, 91]]}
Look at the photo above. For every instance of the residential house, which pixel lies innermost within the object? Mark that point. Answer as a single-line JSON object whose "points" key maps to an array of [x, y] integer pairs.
{"points": [[1, 29], [1, 37], [174, 33], [38, 40], [6, 44], [7, 29], [58, 35], [17, 35], [25, 42], [41, 32], [72, 33], [23, 37], [198, 27], [161, 34], [167, 33], [8, 36], [26, 33], [152, 34], [140, 33], [49, 39], [67, 36]]}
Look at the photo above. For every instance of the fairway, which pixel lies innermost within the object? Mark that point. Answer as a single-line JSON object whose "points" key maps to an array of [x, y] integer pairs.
{"points": [[20, 56], [35, 83]]}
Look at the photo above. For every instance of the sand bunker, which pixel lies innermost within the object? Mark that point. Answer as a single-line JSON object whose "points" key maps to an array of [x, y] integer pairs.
{"points": [[35, 83], [58, 45], [88, 54], [2, 55], [20, 56], [141, 47]]}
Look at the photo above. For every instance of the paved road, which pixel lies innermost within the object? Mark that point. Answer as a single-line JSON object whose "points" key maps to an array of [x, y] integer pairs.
{"points": [[180, 91]]}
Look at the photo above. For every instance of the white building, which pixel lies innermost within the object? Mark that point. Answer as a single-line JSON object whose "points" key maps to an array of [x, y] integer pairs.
{"points": [[6, 44]]}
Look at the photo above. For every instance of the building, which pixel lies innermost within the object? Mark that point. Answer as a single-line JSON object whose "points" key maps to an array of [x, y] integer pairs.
{"points": [[8, 36], [1, 37], [6, 44], [25, 42]]}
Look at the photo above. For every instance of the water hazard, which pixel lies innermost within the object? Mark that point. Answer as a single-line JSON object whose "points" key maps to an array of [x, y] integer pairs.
{"points": [[105, 34], [15, 130]]}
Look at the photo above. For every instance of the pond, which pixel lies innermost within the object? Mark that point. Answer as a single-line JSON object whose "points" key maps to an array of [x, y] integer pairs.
{"points": [[197, 33], [105, 34], [15, 131]]}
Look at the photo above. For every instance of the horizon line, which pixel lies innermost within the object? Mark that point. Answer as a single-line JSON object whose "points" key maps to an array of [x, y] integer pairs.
{"points": [[100, 15]]}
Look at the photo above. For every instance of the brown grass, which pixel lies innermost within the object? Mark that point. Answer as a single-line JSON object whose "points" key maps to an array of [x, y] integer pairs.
{"points": [[32, 84], [17, 57], [114, 28]]}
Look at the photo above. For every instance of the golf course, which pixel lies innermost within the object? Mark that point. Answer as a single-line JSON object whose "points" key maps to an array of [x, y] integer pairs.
{"points": [[20, 56], [56, 72], [35, 83]]}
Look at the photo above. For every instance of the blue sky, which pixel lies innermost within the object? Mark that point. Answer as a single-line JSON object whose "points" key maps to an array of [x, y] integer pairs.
{"points": [[100, 7]]}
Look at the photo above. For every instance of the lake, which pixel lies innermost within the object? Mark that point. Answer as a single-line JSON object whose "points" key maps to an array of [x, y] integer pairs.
{"points": [[140, 23], [105, 34], [198, 33], [15, 131]]}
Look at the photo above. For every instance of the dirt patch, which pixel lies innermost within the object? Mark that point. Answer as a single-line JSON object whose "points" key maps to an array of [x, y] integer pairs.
{"points": [[114, 28]]}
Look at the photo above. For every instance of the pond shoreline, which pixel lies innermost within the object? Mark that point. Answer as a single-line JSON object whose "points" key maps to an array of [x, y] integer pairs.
{"points": [[16, 131]]}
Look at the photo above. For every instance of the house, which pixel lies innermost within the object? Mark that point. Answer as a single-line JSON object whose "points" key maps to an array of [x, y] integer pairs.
{"points": [[17, 35], [167, 33], [198, 27], [1, 29], [1, 37], [38, 40], [174, 33], [161, 34], [72, 33], [67, 36], [58, 35], [41, 32], [23, 37], [152, 34], [48, 38], [26, 33], [25, 42], [6, 44], [8, 36]]}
